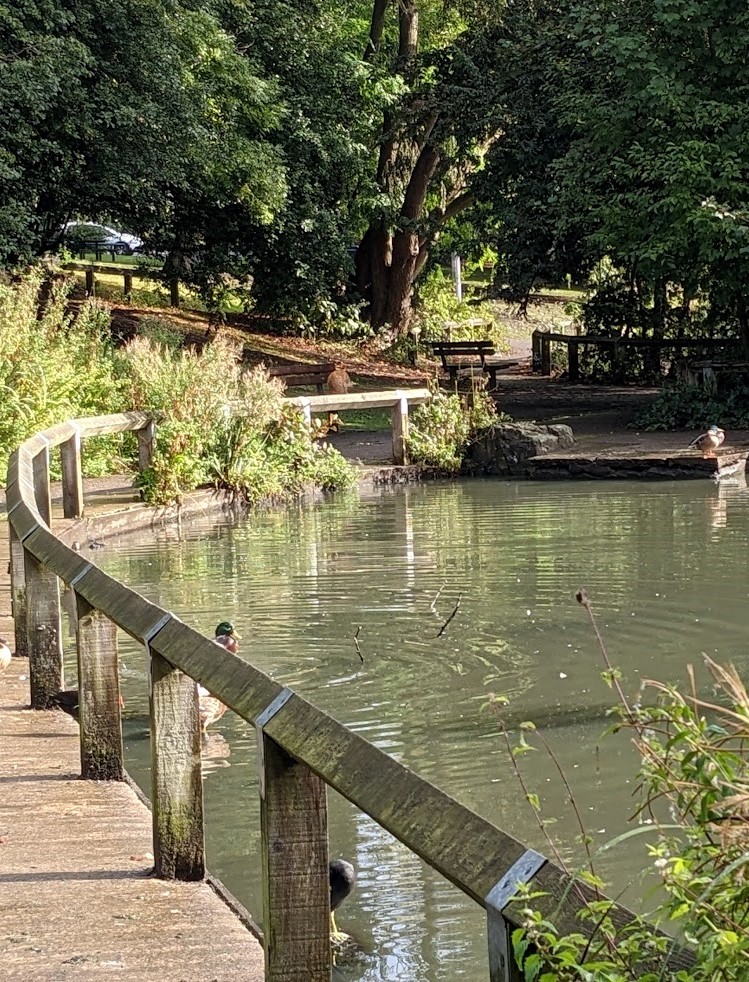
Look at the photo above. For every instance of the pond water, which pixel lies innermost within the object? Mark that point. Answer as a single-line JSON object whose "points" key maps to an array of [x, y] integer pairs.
{"points": [[664, 565]]}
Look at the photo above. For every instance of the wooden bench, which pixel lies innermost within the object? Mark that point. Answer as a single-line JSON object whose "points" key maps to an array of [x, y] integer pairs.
{"points": [[303, 373], [464, 357]]}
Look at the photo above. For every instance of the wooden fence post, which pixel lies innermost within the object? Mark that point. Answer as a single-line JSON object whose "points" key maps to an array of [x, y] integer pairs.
{"points": [[176, 781], [18, 592], [399, 417], [90, 283], [573, 360], [72, 476], [44, 632], [98, 695], [502, 964], [146, 438], [296, 887], [40, 470], [174, 292], [545, 356]]}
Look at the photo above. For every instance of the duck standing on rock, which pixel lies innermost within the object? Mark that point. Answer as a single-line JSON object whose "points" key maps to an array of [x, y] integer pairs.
{"points": [[709, 442], [5, 655], [211, 708]]}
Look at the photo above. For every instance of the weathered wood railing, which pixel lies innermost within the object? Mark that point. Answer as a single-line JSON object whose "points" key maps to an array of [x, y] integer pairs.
{"points": [[90, 270], [396, 400], [301, 748], [542, 345]]}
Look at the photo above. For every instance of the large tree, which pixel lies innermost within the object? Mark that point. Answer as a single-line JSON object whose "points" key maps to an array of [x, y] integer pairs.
{"points": [[128, 110], [431, 140]]}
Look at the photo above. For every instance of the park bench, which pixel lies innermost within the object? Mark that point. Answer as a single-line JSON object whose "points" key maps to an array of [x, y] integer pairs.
{"points": [[303, 373], [464, 358]]}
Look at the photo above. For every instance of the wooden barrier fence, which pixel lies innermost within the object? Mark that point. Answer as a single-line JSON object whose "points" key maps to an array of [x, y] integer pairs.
{"points": [[302, 750], [543, 340], [128, 275], [396, 400]]}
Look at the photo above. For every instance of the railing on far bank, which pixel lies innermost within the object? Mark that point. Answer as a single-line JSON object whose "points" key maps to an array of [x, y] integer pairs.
{"points": [[542, 342], [302, 750], [396, 400]]}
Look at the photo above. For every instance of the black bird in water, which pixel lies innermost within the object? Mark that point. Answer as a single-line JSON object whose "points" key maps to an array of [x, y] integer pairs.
{"points": [[342, 881]]}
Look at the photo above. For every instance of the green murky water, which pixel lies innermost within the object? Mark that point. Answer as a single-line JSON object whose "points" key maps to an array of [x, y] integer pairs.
{"points": [[664, 564]]}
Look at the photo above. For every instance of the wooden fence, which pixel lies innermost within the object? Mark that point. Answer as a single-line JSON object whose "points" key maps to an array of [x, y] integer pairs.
{"points": [[396, 400], [302, 750], [128, 275], [543, 340]]}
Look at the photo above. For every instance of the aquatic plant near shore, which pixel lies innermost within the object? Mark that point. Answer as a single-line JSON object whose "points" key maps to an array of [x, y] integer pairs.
{"points": [[441, 430], [694, 780]]}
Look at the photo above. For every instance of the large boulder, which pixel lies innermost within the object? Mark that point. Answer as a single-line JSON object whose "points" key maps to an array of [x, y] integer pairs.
{"points": [[505, 448]]}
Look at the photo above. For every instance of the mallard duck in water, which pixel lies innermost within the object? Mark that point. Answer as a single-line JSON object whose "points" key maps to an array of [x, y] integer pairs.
{"points": [[342, 880], [5, 655], [211, 708], [708, 442]]}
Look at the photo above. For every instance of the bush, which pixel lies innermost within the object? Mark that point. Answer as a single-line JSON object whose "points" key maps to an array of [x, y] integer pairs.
{"points": [[53, 366], [224, 425], [694, 776], [687, 406], [439, 313], [442, 429]]}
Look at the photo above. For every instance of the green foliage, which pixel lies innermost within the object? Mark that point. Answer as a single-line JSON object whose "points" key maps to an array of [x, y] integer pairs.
{"points": [[224, 425], [682, 406], [53, 367], [693, 778], [441, 430], [441, 315]]}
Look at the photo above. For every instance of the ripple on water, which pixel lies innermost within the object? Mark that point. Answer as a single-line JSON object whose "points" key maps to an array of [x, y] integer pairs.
{"points": [[663, 564]]}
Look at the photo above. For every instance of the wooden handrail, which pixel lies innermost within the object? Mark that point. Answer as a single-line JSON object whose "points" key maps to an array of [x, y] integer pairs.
{"points": [[302, 749], [541, 342]]}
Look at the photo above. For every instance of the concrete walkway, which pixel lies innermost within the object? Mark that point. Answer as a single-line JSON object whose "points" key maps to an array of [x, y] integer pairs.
{"points": [[76, 898]]}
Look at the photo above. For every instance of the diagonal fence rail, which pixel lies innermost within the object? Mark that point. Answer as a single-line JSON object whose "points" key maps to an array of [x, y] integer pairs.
{"points": [[302, 750]]}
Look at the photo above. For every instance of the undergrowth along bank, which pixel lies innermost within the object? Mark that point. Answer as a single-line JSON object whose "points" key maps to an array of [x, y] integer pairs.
{"points": [[221, 423]]}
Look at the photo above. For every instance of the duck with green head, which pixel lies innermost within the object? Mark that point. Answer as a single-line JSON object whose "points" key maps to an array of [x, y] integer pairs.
{"points": [[211, 708]]}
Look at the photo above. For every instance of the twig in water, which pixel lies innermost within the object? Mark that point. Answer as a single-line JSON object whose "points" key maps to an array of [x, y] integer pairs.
{"points": [[455, 611], [584, 600], [356, 642], [432, 606]]}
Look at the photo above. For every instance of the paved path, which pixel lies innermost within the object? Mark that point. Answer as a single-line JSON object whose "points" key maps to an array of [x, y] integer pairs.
{"points": [[76, 898]]}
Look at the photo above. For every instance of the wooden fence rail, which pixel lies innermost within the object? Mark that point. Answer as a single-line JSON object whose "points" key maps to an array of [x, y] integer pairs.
{"points": [[542, 345], [302, 750], [128, 275], [396, 400]]}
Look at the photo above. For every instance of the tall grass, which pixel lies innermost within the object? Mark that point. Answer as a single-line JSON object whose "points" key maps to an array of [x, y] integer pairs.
{"points": [[219, 423]]}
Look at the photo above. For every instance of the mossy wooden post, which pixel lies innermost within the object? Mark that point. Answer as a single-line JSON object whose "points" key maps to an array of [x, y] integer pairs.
{"points": [[146, 438], [98, 695], [72, 477], [502, 964], [18, 592], [176, 782], [44, 632], [127, 289], [296, 886], [399, 416], [90, 282]]}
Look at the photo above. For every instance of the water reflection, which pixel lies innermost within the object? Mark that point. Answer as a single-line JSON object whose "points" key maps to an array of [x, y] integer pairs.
{"points": [[664, 565]]}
